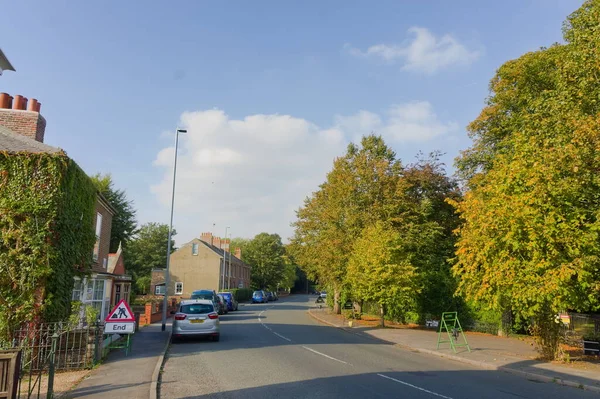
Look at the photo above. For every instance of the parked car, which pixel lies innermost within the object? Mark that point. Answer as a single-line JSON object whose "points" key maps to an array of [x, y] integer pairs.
{"points": [[275, 296], [323, 294], [210, 295], [270, 296], [259, 297], [232, 304], [196, 317], [222, 304]]}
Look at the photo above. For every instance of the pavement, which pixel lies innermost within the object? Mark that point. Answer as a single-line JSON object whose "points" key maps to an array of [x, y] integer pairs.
{"points": [[487, 351], [129, 376], [278, 349]]}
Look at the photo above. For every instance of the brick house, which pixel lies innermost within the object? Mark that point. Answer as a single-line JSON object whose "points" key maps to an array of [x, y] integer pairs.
{"points": [[22, 130], [203, 263]]}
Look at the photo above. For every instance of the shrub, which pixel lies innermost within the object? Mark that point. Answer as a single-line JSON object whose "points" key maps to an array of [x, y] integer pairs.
{"points": [[241, 294]]}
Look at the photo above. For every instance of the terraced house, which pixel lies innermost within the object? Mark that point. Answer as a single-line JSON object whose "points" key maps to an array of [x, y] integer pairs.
{"points": [[203, 263]]}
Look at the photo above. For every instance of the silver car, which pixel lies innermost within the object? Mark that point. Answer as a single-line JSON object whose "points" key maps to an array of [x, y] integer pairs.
{"points": [[196, 317]]}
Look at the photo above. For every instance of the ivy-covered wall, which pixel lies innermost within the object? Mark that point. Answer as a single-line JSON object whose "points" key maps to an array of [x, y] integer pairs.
{"points": [[46, 235]]}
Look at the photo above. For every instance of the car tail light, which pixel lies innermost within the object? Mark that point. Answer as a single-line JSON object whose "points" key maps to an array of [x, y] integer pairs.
{"points": [[180, 317], [213, 316]]}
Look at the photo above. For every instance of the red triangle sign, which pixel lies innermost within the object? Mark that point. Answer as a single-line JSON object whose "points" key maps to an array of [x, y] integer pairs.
{"points": [[121, 313]]}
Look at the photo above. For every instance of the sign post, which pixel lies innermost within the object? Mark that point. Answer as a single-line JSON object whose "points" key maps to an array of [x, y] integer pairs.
{"points": [[451, 326], [120, 321]]}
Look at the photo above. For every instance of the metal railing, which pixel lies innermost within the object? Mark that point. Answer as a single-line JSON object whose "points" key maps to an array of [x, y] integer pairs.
{"points": [[49, 347]]}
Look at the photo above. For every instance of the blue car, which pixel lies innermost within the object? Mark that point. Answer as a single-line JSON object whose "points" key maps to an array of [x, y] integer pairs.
{"points": [[230, 300], [259, 297]]}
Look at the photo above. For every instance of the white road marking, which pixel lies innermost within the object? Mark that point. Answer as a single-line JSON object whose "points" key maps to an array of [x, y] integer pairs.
{"points": [[281, 336], [415, 387], [322, 354], [269, 328]]}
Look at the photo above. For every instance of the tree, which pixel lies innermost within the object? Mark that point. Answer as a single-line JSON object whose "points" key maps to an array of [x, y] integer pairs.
{"points": [[124, 222], [362, 187], [434, 219], [529, 242], [265, 253], [380, 269], [147, 251]]}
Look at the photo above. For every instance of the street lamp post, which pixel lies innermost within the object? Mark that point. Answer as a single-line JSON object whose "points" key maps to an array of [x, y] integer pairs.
{"points": [[224, 263], [229, 268], [164, 310]]}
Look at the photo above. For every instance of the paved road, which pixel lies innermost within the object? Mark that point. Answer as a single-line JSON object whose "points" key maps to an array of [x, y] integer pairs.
{"points": [[277, 350]]}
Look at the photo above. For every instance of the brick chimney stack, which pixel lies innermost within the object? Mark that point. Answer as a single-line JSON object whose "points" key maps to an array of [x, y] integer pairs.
{"points": [[238, 253], [225, 244], [22, 116], [207, 238], [217, 242]]}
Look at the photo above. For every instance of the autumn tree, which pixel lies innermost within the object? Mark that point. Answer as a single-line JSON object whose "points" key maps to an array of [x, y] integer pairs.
{"points": [[380, 269], [529, 243], [361, 189]]}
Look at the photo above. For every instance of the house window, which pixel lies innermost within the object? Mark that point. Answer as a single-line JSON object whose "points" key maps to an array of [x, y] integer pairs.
{"points": [[159, 289], [178, 288], [77, 288], [98, 231], [117, 293], [94, 296], [126, 292], [195, 248]]}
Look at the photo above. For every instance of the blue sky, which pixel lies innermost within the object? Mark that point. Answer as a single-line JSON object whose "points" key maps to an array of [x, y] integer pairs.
{"points": [[270, 91]]}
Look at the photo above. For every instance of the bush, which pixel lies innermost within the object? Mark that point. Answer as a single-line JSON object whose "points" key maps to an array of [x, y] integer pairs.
{"points": [[241, 294]]}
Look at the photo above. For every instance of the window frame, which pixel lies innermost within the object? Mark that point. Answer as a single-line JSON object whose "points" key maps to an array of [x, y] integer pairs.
{"points": [[195, 249], [180, 291]]}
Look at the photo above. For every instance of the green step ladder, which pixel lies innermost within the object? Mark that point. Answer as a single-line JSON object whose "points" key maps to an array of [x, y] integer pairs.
{"points": [[451, 326]]}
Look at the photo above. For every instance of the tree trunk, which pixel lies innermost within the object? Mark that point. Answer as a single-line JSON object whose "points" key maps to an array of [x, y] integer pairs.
{"points": [[336, 302], [505, 323], [358, 308], [382, 312]]}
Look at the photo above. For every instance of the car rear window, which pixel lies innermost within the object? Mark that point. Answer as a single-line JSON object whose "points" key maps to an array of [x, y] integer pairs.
{"points": [[257, 293], [196, 308], [202, 296]]}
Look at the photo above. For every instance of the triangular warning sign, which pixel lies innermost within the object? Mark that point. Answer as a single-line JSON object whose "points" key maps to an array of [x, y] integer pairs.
{"points": [[122, 312]]}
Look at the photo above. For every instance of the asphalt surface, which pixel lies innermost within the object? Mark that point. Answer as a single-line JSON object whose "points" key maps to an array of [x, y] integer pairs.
{"points": [[278, 350]]}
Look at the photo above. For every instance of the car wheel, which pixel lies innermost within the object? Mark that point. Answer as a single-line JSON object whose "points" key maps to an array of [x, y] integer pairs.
{"points": [[216, 338]]}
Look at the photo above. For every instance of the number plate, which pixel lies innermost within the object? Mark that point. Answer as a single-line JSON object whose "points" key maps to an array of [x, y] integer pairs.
{"points": [[197, 321]]}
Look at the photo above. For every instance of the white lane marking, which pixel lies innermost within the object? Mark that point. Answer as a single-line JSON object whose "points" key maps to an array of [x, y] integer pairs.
{"points": [[322, 354], [415, 387], [281, 336], [269, 328]]}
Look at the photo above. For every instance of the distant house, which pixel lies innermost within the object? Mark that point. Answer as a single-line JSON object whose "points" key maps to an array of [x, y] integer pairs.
{"points": [[22, 130], [203, 263]]}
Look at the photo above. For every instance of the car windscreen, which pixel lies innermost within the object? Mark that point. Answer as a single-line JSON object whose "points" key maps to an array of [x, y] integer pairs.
{"points": [[196, 308]]}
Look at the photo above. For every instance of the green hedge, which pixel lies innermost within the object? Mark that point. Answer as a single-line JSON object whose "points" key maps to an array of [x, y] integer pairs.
{"points": [[46, 236], [241, 294]]}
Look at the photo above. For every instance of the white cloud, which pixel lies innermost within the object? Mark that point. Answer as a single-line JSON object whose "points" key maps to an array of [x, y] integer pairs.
{"points": [[422, 53], [253, 173]]}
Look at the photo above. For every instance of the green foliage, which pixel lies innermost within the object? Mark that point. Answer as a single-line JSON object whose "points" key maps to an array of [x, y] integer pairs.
{"points": [[529, 242], [380, 270], [46, 235], [82, 314], [147, 251], [241, 294], [265, 253], [124, 223], [362, 187]]}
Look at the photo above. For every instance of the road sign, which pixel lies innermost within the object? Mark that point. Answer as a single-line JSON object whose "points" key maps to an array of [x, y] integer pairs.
{"points": [[121, 313], [119, 327]]}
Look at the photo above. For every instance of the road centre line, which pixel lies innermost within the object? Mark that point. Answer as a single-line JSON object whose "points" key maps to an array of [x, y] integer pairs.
{"points": [[269, 328], [281, 336], [322, 354], [415, 387]]}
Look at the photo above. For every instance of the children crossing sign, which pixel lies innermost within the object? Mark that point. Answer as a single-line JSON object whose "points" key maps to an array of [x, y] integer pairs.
{"points": [[120, 320]]}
